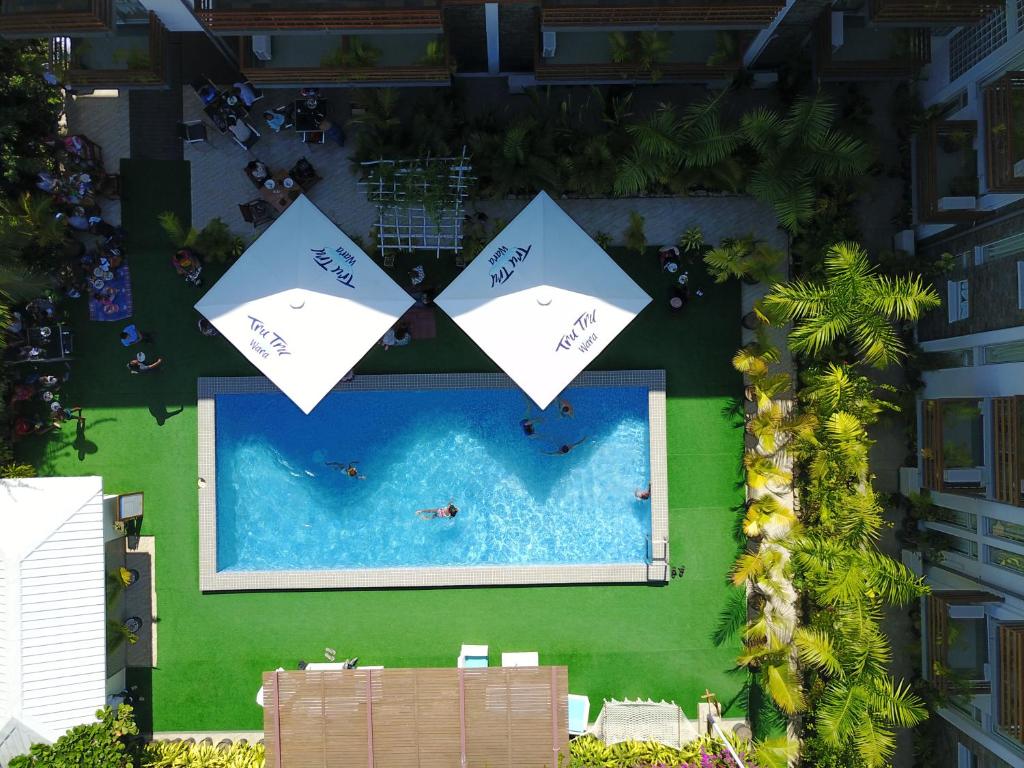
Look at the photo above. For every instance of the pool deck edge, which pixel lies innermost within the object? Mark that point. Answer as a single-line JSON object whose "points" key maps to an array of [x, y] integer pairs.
{"points": [[655, 571]]}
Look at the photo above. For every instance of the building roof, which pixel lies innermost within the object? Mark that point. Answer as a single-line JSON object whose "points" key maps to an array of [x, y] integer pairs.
{"points": [[52, 605], [499, 717]]}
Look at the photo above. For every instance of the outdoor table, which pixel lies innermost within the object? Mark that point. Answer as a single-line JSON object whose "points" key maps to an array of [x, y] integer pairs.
{"points": [[308, 118], [219, 110], [280, 197], [56, 345]]}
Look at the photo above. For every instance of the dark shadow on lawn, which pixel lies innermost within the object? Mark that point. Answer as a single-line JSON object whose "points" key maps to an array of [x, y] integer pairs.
{"points": [[160, 413]]}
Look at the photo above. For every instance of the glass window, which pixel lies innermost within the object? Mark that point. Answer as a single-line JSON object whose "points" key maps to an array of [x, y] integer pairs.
{"points": [[1000, 529], [963, 547], [966, 520], [954, 358], [1006, 248], [1009, 560], [968, 648], [1010, 352], [963, 445], [972, 44]]}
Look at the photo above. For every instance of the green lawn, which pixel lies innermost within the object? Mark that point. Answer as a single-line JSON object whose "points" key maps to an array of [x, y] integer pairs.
{"points": [[647, 641]]}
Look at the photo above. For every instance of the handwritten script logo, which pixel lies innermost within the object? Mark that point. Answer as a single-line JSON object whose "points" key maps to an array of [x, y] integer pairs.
{"points": [[508, 267], [266, 340], [582, 334], [336, 267]]}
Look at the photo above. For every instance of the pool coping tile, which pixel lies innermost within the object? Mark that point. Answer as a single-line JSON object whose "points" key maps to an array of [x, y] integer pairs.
{"points": [[655, 570]]}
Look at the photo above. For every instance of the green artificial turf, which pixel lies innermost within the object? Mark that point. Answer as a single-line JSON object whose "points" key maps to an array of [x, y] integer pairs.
{"points": [[618, 641]]}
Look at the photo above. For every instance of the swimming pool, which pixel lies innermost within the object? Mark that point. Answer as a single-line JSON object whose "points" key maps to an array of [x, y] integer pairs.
{"points": [[288, 512]]}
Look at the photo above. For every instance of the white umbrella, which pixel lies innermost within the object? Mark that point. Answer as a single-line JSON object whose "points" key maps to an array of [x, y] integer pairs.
{"points": [[304, 303], [542, 299]]}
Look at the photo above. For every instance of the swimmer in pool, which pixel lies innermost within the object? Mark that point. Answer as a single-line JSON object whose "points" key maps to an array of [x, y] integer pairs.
{"points": [[643, 494], [565, 409], [450, 510], [528, 425], [565, 448], [349, 469]]}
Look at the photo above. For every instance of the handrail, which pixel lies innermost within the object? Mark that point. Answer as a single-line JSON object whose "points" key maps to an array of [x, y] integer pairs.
{"points": [[733, 12], [412, 19]]}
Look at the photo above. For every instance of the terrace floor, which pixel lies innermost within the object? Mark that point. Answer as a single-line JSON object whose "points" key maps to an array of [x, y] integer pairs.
{"points": [[618, 641]]}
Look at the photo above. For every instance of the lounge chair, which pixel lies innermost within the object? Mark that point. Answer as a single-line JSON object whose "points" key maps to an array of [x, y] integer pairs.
{"points": [[523, 659], [472, 656], [579, 714]]}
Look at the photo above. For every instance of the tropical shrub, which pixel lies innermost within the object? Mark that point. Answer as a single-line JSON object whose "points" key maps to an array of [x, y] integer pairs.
{"points": [[185, 754], [214, 241], [107, 743], [705, 752], [29, 115], [745, 258], [635, 238]]}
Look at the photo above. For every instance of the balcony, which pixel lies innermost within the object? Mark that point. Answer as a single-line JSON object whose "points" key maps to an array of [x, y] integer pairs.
{"points": [[1010, 720], [682, 56], [735, 13], [932, 11], [377, 59], [947, 171], [953, 447], [132, 55], [850, 48], [37, 18], [246, 16], [1004, 133]]}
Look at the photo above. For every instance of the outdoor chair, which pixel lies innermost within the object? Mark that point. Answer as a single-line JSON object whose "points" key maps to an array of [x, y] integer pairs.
{"points": [[256, 212], [521, 659], [192, 132], [579, 714], [255, 90], [305, 174], [251, 141], [472, 656]]}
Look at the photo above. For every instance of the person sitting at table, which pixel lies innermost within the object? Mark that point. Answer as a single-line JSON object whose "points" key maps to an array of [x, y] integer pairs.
{"points": [[245, 92], [207, 93], [275, 120], [257, 171], [332, 131], [77, 220]]}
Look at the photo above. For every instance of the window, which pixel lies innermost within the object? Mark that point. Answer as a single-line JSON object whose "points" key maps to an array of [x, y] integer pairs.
{"points": [[957, 300], [1004, 248], [1000, 529], [1020, 285], [966, 520], [957, 545], [972, 44], [1010, 352], [1020, 15], [953, 446], [1004, 559]]}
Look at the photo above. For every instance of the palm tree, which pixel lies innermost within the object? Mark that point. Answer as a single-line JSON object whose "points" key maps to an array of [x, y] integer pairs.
{"points": [[852, 304], [746, 258], [795, 150], [767, 516]]}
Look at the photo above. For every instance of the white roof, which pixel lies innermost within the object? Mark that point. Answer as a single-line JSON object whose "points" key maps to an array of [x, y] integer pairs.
{"points": [[304, 303], [542, 299], [53, 654]]}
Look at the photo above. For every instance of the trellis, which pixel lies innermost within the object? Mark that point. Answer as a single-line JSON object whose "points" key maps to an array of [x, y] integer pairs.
{"points": [[420, 203]]}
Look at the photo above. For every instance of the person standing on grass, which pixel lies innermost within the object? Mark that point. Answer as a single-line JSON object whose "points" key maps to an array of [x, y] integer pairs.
{"points": [[62, 414], [139, 364]]}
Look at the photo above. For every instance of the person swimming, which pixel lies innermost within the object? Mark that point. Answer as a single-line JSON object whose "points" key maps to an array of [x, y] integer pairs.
{"points": [[565, 408], [349, 468], [565, 448], [449, 511], [643, 494]]}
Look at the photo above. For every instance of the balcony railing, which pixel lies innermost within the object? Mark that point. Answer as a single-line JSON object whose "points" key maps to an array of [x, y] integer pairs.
{"points": [[952, 450], [936, 11], [885, 53], [223, 21], [947, 172], [1004, 133], [97, 17], [759, 13], [940, 637], [315, 75], [76, 74]]}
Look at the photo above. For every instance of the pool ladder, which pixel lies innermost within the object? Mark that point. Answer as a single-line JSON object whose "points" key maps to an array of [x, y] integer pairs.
{"points": [[657, 559]]}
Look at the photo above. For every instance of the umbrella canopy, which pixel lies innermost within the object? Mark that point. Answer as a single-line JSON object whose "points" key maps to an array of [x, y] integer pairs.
{"points": [[542, 300], [304, 304]]}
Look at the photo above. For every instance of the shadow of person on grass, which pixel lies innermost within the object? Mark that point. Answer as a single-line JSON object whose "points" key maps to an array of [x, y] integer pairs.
{"points": [[161, 414]]}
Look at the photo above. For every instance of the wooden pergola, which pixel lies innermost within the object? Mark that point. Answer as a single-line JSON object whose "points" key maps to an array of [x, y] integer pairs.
{"points": [[501, 717]]}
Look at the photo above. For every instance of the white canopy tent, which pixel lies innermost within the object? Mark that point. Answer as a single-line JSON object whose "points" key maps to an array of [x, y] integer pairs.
{"points": [[543, 300], [304, 304]]}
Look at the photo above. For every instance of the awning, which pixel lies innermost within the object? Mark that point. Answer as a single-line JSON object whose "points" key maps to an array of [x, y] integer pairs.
{"points": [[304, 304], [542, 300]]}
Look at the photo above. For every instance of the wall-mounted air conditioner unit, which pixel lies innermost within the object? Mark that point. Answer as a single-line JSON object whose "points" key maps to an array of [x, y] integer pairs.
{"points": [[261, 47], [548, 48]]}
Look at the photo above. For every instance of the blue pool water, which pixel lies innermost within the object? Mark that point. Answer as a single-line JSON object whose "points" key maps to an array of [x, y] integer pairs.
{"points": [[280, 507]]}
